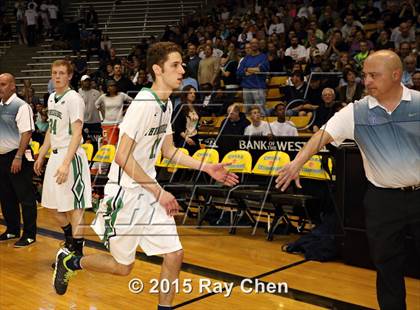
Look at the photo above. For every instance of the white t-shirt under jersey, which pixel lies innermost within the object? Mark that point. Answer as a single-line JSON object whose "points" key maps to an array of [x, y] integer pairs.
{"points": [[262, 130], [283, 129], [61, 114], [147, 122]]}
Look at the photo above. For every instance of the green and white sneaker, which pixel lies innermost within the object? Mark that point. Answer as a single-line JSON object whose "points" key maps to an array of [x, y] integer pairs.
{"points": [[62, 273]]}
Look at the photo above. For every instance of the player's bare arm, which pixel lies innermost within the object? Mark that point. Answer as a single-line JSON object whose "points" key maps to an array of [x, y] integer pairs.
{"points": [[216, 171], [291, 170], [124, 158]]}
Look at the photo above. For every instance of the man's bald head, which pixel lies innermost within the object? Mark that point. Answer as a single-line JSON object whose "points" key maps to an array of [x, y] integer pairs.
{"points": [[389, 59], [7, 86], [9, 78]]}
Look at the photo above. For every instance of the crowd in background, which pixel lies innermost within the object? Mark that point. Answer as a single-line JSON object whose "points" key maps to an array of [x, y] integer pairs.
{"points": [[232, 51]]}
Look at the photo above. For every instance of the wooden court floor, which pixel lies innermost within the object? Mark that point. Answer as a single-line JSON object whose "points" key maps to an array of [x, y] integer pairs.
{"points": [[214, 261]]}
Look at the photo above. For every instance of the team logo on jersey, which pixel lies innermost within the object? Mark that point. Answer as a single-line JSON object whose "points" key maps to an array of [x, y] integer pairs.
{"points": [[55, 113], [156, 130]]}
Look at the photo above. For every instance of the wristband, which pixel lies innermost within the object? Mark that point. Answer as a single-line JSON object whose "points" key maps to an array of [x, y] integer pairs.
{"points": [[18, 157]]}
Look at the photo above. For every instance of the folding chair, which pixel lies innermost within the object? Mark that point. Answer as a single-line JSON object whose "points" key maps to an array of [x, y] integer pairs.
{"points": [[220, 195], [88, 148], [263, 176]]}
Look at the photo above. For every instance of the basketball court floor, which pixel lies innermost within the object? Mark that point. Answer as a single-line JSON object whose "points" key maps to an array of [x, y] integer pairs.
{"points": [[217, 271]]}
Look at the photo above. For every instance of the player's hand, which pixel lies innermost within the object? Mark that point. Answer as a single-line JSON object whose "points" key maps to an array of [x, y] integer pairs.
{"points": [[288, 173], [38, 166], [62, 174], [169, 202], [221, 174], [16, 165]]}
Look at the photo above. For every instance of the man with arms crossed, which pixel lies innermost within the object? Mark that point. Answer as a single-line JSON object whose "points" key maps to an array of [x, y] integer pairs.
{"points": [[132, 194], [386, 127], [66, 190]]}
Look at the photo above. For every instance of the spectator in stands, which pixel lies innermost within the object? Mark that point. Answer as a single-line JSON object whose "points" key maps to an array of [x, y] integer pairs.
{"points": [[193, 60], [276, 26], [257, 127], [281, 127], [402, 34], [349, 24], [53, 13], [363, 54], [253, 83], [5, 29], [41, 126], [228, 68], [185, 121], [297, 89], [112, 107], [91, 119], [105, 47], [45, 19], [296, 51], [141, 81], [235, 122], [409, 69], [209, 67], [383, 42], [91, 16], [123, 83], [20, 22], [326, 109], [31, 98], [404, 51], [336, 45], [353, 90], [80, 65], [416, 81], [31, 17]]}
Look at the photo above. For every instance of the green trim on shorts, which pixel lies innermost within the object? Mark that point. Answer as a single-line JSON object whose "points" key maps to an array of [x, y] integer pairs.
{"points": [[113, 206], [79, 186]]}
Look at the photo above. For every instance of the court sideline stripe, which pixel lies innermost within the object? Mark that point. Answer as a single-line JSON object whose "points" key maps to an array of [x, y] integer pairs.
{"points": [[294, 294]]}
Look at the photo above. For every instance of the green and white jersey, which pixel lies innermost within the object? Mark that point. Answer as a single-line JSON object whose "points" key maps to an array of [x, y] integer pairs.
{"points": [[62, 112], [147, 121]]}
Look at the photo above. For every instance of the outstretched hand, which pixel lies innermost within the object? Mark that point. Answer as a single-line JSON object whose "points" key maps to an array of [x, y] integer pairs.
{"points": [[288, 173], [221, 174]]}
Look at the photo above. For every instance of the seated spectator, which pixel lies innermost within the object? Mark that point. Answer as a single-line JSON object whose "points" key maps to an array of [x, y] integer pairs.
{"points": [[383, 42], [326, 109], [363, 54], [258, 127], [228, 67], [41, 126], [297, 90], [409, 69], [353, 90], [281, 127], [416, 81], [186, 120], [235, 122]]}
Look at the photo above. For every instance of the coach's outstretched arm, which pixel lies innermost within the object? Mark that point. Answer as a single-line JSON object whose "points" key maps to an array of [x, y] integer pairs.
{"points": [[291, 171]]}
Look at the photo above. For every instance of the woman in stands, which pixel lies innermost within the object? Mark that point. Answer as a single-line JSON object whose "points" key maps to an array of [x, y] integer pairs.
{"points": [[353, 90], [185, 121], [111, 106]]}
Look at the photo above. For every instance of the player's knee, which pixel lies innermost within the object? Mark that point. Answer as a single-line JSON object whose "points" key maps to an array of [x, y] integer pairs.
{"points": [[123, 270], [176, 257]]}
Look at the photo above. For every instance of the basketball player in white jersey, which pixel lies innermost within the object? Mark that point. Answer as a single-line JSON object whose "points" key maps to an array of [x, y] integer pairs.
{"points": [[136, 210], [67, 189]]}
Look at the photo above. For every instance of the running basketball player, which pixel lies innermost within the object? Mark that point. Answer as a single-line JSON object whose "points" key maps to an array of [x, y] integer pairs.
{"points": [[66, 190], [136, 210]]}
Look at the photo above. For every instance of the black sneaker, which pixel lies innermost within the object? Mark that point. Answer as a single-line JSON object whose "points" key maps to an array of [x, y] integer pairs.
{"points": [[62, 273], [69, 248], [24, 241], [7, 236]]}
